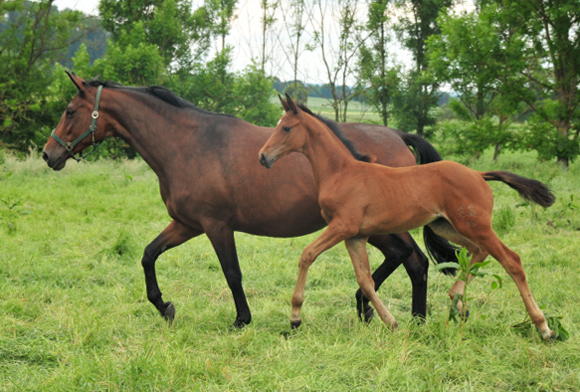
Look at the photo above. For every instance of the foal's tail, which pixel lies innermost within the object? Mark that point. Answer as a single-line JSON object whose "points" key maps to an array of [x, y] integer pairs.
{"points": [[529, 189], [438, 247]]}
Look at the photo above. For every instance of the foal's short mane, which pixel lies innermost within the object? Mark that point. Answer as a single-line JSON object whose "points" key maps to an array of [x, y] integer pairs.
{"points": [[337, 130], [160, 92]]}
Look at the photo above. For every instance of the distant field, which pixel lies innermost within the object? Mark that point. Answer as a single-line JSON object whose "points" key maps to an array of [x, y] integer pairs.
{"points": [[74, 315], [357, 112]]}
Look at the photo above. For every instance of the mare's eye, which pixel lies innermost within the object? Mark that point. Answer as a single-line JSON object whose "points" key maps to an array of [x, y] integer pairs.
{"points": [[286, 129], [70, 112]]}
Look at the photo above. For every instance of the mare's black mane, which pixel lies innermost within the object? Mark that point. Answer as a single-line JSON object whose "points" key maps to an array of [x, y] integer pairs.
{"points": [[337, 130], [160, 92]]}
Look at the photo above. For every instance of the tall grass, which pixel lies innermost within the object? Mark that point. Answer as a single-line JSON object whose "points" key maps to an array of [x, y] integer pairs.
{"points": [[74, 313]]}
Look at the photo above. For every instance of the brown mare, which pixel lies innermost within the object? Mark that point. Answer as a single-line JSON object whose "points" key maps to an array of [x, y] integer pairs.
{"points": [[211, 182], [359, 199]]}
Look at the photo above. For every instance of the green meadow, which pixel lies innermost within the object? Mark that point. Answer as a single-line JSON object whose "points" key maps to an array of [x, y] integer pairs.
{"points": [[74, 315]]}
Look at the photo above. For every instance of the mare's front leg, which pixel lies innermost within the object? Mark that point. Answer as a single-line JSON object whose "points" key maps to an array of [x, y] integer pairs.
{"points": [[357, 250], [175, 234], [332, 235], [397, 249], [222, 238]]}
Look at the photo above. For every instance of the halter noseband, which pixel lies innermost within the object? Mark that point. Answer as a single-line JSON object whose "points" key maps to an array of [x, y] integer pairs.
{"points": [[70, 145]]}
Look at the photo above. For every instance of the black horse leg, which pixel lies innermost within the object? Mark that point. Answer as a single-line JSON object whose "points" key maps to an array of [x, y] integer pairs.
{"points": [[222, 239], [396, 251], [175, 234]]}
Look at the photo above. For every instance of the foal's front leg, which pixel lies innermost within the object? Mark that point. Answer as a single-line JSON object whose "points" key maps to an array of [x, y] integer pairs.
{"points": [[332, 235], [357, 250]]}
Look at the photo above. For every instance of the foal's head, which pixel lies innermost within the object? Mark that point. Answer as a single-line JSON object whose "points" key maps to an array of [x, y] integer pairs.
{"points": [[290, 134], [81, 117]]}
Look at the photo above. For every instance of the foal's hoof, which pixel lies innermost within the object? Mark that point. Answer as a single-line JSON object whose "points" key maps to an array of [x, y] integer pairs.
{"points": [[464, 316], [295, 324], [169, 312]]}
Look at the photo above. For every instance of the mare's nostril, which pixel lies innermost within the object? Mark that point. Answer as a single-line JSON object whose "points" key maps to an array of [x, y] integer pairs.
{"points": [[45, 156]]}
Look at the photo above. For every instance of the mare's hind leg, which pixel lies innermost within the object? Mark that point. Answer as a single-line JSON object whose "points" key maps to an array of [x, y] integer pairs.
{"points": [[175, 234], [357, 250], [397, 249], [222, 239]]}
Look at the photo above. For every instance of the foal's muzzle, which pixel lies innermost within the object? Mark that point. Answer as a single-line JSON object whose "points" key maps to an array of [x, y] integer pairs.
{"points": [[267, 163]]}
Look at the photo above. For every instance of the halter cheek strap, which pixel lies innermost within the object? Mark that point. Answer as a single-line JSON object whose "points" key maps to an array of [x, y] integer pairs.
{"points": [[69, 146]]}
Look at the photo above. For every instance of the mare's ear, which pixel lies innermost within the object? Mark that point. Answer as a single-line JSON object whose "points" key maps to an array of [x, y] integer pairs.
{"points": [[77, 81], [284, 104], [291, 104]]}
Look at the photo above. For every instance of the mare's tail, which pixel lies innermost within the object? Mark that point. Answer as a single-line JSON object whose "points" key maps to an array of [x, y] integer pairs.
{"points": [[423, 149], [438, 247], [529, 189]]}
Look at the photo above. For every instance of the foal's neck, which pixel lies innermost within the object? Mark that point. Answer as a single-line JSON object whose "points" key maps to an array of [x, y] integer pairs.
{"points": [[327, 154]]}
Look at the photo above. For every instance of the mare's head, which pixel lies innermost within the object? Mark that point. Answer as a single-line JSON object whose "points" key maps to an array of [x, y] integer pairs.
{"points": [[81, 117], [290, 134]]}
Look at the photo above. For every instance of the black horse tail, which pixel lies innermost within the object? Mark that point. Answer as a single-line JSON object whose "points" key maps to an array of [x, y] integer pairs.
{"points": [[529, 189], [438, 248], [424, 150]]}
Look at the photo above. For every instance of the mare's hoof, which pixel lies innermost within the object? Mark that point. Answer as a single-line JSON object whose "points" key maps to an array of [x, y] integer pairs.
{"points": [[369, 314], [169, 312], [295, 324], [239, 324]]}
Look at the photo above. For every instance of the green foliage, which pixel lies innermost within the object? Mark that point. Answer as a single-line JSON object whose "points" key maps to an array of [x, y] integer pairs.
{"points": [[253, 92], [33, 35], [467, 272], [469, 138], [169, 26]]}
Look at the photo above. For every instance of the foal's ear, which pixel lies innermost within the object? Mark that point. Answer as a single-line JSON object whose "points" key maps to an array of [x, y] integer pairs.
{"points": [[284, 104], [291, 104], [77, 81]]}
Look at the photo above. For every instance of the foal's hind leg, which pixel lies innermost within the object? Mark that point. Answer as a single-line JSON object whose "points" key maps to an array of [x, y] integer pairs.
{"points": [[175, 234], [511, 261], [356, 247], [444, 229]]}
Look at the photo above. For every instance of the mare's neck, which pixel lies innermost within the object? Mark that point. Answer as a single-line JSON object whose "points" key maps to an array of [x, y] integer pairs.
{"points": [[327, 154], [152, 128]]}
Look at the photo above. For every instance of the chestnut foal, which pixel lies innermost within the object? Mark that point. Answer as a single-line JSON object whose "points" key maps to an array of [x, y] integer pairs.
{"points": [[359, 199]]}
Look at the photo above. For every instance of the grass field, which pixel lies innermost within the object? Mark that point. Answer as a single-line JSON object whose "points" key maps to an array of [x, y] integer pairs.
{"points": [[74, 314]]}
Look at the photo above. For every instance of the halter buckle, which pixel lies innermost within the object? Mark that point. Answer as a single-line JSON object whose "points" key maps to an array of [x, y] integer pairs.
{"points": [[95, 115], [69, 146]]}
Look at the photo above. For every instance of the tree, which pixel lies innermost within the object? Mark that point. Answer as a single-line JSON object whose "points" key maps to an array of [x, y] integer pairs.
{"points": [[339, 56], [169, 25], [541, 60], [219, 15], [417, 24], [466, 55], [295, 17], [383, 80], [33, 36]]}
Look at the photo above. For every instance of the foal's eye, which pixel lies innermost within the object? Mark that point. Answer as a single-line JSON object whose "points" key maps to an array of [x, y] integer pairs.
{"points": [[70, 112], [286, 129]]}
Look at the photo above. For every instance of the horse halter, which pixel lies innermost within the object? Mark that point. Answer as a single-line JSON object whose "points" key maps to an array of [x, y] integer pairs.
{"points": [[70, 145]]}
